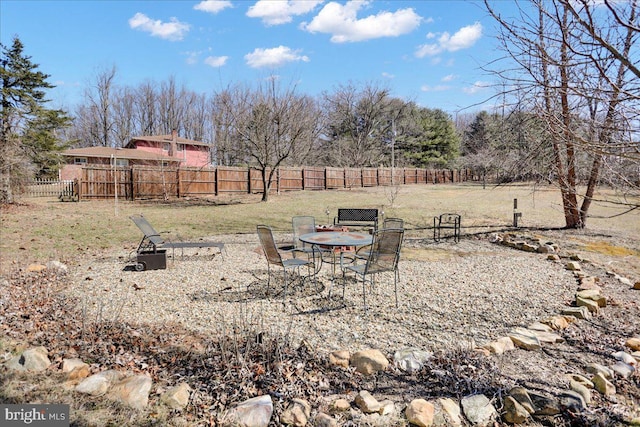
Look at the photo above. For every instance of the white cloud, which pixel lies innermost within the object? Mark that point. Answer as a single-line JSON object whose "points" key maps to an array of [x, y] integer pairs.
{"points": [[342, 23], [464, 38], [174, 30], [274, 57], [282, 11], [388, 75], [216, 61], [476, 87], [449, 78], [437, 88], [213, 6]]}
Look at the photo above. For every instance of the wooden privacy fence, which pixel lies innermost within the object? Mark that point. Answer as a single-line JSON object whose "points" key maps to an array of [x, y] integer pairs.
{"points": [[147, 182]]}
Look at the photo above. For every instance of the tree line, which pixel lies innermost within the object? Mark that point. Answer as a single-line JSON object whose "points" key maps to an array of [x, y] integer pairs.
{"points": [[568, 91]]}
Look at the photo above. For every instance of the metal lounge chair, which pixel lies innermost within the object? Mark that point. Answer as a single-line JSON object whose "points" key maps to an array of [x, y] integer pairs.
{"points": [[152, 241], [274, 257], [383, 257]]}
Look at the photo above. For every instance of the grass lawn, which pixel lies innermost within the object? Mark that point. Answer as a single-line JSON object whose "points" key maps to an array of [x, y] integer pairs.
{"points": [[40, 229]]}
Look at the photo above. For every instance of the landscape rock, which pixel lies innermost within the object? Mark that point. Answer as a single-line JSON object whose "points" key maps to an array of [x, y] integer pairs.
{"points": [[340, 405], [558, 323], [596, 368], [254, 412], [297, 414], [573, 266], [582, 390], [324, 420], [577, 312], [98, 384], [544, 405], [366, 402], [572, 401], [34, 359], [132, 391], [411, 359], [177, 397], [624, 357], [591, 305], [633, 343], [340, 358], [514, 412], [479, 410], [580, 379], [521, 395], [594, 295], [447, 413], [368, 362], [623, 370], [603, 385], [501, 345], [36, 268], [420, 412], [387, 408], [525, 339]]}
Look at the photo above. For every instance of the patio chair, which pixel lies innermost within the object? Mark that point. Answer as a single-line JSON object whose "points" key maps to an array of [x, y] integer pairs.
{"points": [[152, 241], [447, 221], [363, 252], [274, 257], [383, 257]]}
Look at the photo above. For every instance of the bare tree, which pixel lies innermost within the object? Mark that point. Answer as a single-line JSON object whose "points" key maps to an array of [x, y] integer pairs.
{"points": [[358, 124], [123, 117], [572, 69], [268, 123], [146, 115], [99, 98]]}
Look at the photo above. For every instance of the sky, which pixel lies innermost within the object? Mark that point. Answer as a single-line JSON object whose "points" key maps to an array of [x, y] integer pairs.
{"points": [[430, 52]]}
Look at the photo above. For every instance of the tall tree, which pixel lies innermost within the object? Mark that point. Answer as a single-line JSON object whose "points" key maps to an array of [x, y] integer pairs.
{"points": [[268, 123], [575, 70], [26, 125], [358, 125], [437, 143]]}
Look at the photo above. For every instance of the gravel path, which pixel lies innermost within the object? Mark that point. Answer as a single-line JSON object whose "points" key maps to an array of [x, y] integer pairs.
{"points": [[450, 295]]}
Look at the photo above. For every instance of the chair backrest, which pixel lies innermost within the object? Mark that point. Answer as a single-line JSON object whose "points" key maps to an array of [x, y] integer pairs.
{"points": [[147, 229], [393, 223], [302, 225], [385, 250], [269, 245]]}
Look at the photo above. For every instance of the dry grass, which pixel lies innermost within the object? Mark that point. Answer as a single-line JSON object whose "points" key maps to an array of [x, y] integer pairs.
{"points": [[39, 230]]}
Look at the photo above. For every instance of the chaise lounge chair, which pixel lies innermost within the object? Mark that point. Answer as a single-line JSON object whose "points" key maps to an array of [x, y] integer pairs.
{"points": [[152, 241]]}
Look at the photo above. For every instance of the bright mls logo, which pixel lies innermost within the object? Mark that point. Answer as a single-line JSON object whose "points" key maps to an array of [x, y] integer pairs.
{"points": [[34, 415]]}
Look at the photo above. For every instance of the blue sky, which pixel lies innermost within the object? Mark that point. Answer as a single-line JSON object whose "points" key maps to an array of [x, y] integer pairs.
{"points": [[426, 51]]}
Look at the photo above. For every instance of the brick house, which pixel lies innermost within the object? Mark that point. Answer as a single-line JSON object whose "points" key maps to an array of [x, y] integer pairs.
{"points": [[161, 150]]}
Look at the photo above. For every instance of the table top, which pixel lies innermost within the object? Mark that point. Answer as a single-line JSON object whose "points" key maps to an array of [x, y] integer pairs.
{"points": [[337, 238]]}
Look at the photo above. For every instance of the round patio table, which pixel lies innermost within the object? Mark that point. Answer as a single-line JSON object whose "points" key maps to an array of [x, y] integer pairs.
{"points": [[337, 240]]}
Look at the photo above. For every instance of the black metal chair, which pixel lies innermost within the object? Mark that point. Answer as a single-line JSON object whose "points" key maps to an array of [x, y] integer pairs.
{"points": [[363, 252], [384, 256], [274, 257], [447, 221]]}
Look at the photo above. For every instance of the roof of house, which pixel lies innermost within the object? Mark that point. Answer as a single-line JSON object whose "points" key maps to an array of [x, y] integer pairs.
{"points": [[120, 153], [165, 138]]}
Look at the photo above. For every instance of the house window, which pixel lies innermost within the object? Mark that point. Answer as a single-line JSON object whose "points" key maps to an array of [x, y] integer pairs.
{"points": [[165, 164], [166, 146], [80, 160], [122, 162], [180, 147]]}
